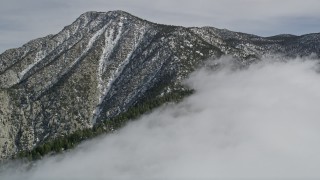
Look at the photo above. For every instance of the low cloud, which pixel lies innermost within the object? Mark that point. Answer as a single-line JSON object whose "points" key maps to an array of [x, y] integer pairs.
{"points": [[259, 122]]}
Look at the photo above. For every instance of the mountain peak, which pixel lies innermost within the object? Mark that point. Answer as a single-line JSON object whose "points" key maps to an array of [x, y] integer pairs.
{"points": [[114, 14], [120, 13], [105, 64]]}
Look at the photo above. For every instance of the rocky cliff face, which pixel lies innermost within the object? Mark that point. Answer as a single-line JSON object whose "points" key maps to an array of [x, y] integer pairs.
{"points": [[104, 63]]}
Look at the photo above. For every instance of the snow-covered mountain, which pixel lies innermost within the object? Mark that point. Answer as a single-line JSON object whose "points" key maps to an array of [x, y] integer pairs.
{"points": [[106, 62]]}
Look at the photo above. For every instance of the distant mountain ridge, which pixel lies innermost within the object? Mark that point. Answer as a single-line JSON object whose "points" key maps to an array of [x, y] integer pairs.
{"points": [[106, 62]]}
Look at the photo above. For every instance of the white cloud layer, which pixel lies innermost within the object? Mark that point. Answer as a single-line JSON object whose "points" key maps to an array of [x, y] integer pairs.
{"points": [[261, 122], [21, 21]]}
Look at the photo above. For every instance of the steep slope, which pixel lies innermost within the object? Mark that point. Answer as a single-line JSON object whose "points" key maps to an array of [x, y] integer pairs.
{"points": [[103, 64]]}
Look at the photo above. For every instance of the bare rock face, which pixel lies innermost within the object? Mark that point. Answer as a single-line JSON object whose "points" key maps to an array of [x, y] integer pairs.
{"points": [[104, 63]]}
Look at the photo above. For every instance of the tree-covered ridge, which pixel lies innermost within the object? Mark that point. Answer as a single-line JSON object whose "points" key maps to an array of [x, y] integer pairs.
{"points": [[108, 126]]}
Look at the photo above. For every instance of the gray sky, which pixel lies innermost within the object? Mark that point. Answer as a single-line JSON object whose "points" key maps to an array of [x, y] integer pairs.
{"points": [[23, 20]]}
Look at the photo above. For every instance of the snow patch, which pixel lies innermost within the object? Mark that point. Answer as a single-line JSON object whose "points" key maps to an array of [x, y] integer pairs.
{"points": [[90, 44], [105, 84], [201, 54], [39, 56]]}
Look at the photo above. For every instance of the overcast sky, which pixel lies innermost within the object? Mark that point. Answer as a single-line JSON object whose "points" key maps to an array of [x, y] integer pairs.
{"points": [[23, 20]]}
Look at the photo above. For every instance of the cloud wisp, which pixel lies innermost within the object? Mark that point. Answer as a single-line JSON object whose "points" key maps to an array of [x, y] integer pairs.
{"points": [[261, 122]]}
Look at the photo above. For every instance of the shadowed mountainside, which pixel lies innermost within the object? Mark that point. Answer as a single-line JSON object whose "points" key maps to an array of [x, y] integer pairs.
{"points": [[105, 63]]}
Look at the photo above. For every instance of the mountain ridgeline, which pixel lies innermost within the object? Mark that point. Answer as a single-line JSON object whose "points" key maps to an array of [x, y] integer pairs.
{"points": [[106, 63]]}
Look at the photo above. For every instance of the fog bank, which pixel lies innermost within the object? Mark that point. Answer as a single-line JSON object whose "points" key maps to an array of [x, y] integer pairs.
{"points": [[260, 123]]}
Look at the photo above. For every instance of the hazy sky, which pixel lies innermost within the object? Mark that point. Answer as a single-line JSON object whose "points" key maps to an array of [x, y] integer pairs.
{"points": [[259, 123], [23, 20]]}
